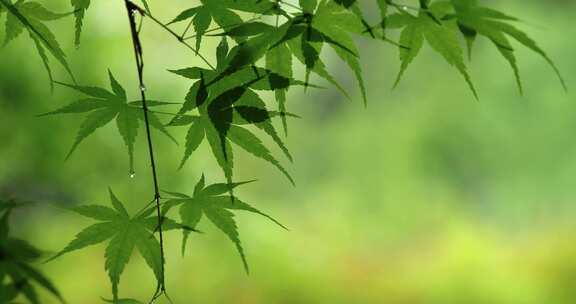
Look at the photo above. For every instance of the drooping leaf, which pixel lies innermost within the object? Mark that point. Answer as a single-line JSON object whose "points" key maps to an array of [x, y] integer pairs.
{"points": [[475, 20], [307, 51], [125, 234], [80, 8], [104, 106], [208, 201], [441, 36], [31, 16]]}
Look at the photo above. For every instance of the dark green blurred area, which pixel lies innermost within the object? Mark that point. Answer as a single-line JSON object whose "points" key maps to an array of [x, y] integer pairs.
{"points": [[427, 196]]}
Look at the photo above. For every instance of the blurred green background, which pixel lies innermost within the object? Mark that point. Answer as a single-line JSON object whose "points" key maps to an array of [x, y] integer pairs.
{"points": [[427, 196]]}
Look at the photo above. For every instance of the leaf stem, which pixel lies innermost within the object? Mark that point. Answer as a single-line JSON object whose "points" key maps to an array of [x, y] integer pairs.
{"points": [[187, 28], [178, 37]]}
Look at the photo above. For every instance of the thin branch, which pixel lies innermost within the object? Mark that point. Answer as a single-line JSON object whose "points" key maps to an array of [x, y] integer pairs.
{"points": [[178, 37], [132, 10]]}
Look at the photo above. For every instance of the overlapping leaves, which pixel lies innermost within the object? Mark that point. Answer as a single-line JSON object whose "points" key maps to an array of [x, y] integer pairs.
{"points": [[302, 35], [211, 202], [31, 16], [225, 105], [223, 13], [103, 107], [474, 20], [225, 98], [322, 28], [17, 274], [437, 23], [427, 27]]}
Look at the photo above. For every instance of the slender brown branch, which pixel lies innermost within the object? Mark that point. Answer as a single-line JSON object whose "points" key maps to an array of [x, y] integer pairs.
{"points": [[132, 10]]}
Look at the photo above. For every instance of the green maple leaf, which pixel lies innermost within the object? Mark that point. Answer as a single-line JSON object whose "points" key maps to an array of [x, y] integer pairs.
{"points": [[474, 20], [31, 16], [104, 106], [441, 36], [210, 201], [222, 13], [16, 257], [124, 233]]}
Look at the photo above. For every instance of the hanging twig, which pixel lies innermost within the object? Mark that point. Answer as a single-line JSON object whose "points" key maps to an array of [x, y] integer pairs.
{"points": [[132, 10]]}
